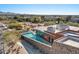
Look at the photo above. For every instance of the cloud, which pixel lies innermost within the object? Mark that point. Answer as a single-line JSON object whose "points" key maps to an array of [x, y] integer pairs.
{"points": [[55, 13]]}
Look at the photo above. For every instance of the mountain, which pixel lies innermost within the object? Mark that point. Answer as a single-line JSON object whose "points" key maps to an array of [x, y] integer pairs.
{"points": [[7, 13], [14, 14]]}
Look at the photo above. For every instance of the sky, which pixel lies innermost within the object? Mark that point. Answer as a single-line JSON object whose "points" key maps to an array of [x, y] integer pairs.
{"points": [[58, 9]]}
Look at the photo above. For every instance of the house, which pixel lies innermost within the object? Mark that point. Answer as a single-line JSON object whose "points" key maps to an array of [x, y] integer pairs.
{"points": [[75, 20], [65, 42]]}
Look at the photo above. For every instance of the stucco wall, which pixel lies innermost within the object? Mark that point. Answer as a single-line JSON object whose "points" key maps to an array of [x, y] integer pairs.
{"points": [[59, 48]]}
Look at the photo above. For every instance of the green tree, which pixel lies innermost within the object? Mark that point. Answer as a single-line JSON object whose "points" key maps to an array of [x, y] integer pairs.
{"points": [[36, 19], [16, 26], [58, 20], [68, 18]]}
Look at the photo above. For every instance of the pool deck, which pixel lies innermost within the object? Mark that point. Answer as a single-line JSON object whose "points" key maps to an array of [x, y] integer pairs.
{"points": [[72, 43]]}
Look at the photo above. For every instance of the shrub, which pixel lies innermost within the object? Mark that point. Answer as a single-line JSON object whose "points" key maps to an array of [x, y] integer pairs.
{"points": [[72, 24], [16, 26], [49, 23], [10, 37]]}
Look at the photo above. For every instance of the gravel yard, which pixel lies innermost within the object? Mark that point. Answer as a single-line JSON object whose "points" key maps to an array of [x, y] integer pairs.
{"points": [[1, 45]]}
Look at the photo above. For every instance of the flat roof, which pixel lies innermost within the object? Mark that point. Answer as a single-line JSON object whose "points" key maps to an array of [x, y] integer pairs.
{"points": [[72, 38], [71, 43]]}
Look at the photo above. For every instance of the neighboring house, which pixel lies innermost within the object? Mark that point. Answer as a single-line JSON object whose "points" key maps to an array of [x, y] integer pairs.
{"points": [[52, 17], [28, 16], [62, 27], [75, 20]]}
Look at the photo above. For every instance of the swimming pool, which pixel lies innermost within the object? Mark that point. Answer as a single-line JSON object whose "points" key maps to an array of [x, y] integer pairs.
{"points": [[36, 38]]}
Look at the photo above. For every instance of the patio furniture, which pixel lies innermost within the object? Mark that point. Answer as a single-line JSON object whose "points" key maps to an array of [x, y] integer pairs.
{"points": [[51, 29]]}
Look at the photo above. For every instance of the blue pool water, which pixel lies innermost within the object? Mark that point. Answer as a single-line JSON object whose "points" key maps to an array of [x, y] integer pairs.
{"points": [[35, 37]]}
